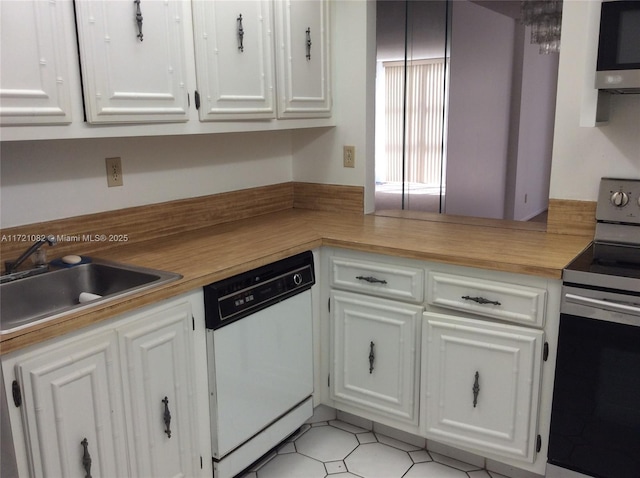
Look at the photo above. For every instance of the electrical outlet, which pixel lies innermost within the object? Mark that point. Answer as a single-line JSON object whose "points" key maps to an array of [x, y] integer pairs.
{"points": [[349, 156], [114, 172]]}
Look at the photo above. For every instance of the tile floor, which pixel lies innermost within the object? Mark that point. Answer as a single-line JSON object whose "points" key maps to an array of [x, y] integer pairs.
{"points": [[337, 449]]}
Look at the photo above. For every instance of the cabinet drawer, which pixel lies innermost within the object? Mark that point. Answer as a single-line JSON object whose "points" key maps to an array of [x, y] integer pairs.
{"points": [[500, 300], [382, 280]]}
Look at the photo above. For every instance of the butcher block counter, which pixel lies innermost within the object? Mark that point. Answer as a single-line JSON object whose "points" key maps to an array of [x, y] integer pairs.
{"points": [[211, 253]]}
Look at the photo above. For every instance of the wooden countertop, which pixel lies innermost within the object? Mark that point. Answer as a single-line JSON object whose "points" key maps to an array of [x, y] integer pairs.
{"points": [[212, 253]]}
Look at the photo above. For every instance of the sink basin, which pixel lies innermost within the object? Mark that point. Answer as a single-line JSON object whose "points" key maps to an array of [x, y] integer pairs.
{"points": [[43, 297]]}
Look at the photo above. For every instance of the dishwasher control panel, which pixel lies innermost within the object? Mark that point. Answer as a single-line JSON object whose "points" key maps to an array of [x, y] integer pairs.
{"points": [[232, 299]]}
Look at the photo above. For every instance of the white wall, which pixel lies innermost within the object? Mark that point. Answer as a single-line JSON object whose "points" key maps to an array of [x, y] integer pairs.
{"points": [[534, 143], [46, 180], [478, 125], [582, 155]]}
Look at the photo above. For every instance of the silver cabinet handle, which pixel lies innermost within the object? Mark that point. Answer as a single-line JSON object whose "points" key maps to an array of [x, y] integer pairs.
{"points": [[138, 18], [240, 33], [371, 280], [167, 417], [86, 458], [481, 300], [476, 388]]}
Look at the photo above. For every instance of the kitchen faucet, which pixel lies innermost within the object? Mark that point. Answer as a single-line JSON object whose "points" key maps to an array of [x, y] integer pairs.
{"points": [[12, 266]]}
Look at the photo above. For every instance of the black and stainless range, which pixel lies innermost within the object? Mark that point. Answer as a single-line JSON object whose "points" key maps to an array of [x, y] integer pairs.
{"points": [[595, 421]]}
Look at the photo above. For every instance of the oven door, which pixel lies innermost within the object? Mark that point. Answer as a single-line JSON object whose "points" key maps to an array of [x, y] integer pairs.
{"points": [[595, 421]]}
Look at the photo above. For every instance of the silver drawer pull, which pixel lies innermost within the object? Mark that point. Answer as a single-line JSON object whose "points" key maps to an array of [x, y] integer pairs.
{"points": [[371, 280], [481, 300]]}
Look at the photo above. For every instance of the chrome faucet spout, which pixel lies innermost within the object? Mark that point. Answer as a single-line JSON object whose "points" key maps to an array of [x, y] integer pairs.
{"points": [[12, 266]]}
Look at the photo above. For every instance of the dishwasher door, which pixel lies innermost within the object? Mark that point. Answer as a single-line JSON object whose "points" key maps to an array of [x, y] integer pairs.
{"points": [[263, 367]]}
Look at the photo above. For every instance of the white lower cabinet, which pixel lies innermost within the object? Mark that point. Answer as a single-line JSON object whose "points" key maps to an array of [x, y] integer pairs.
{"points": [[118, 400], [481, 385], [158, 391], [376, 353], [72, 396]]}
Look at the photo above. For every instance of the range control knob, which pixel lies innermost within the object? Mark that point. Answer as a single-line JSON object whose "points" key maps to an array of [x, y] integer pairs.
{"points": [[297, 279], [619, 199]]}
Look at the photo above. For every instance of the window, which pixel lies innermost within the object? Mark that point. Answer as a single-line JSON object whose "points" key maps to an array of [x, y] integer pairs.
{"points": [[411, 153]]}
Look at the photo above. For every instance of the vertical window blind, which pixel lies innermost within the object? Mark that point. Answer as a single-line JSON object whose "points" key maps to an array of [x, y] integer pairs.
{"points": [[424, 120]]}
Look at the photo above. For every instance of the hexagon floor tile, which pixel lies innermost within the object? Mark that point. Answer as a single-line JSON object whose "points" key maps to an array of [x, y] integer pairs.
{"points": [[339, 450], [326, 443], [377, 460]]}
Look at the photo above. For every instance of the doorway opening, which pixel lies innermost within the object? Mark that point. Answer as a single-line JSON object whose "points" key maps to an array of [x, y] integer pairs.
{"points": [[410, 112], [465, 110]]}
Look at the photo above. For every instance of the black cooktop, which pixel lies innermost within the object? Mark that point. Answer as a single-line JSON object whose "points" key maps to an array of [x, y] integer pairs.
{"points": [[589, 268]]}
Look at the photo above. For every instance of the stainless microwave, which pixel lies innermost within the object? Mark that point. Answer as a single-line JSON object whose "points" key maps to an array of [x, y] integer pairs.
{"points": [[618, 66]]}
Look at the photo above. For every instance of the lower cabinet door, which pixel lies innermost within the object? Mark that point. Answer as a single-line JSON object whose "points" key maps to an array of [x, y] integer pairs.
{"points": [[72, 409], [376, 353], [481, 383], [158, 391]]}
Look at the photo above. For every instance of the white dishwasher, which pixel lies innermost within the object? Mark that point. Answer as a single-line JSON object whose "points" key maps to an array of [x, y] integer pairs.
{"points": [[260, 360]]}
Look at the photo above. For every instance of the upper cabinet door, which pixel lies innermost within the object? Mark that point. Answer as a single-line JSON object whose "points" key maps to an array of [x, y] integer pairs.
{"points": [[133, 60], [234, 59], [302, 52], [34, 78]]}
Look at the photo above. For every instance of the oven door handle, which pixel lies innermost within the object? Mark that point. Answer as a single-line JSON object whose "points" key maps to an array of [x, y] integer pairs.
{"points": [[604, 304]]}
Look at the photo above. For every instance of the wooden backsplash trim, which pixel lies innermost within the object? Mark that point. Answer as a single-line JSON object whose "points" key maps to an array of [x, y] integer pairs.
{"points": [[140, 223], [83, 234], [577, 218], [328, 197]]}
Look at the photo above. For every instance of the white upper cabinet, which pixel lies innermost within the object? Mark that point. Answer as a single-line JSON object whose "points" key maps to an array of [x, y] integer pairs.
{"points": [[126, 68], [302, 54], [34, 80], [234, 59], [133, 60]]}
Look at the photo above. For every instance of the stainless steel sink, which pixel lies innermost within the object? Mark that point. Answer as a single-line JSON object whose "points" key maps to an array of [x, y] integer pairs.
{"points": [[43, 297]]}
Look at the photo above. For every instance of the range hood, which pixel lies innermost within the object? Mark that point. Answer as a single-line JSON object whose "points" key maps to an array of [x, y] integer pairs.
{"points": [[618, 81]]}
